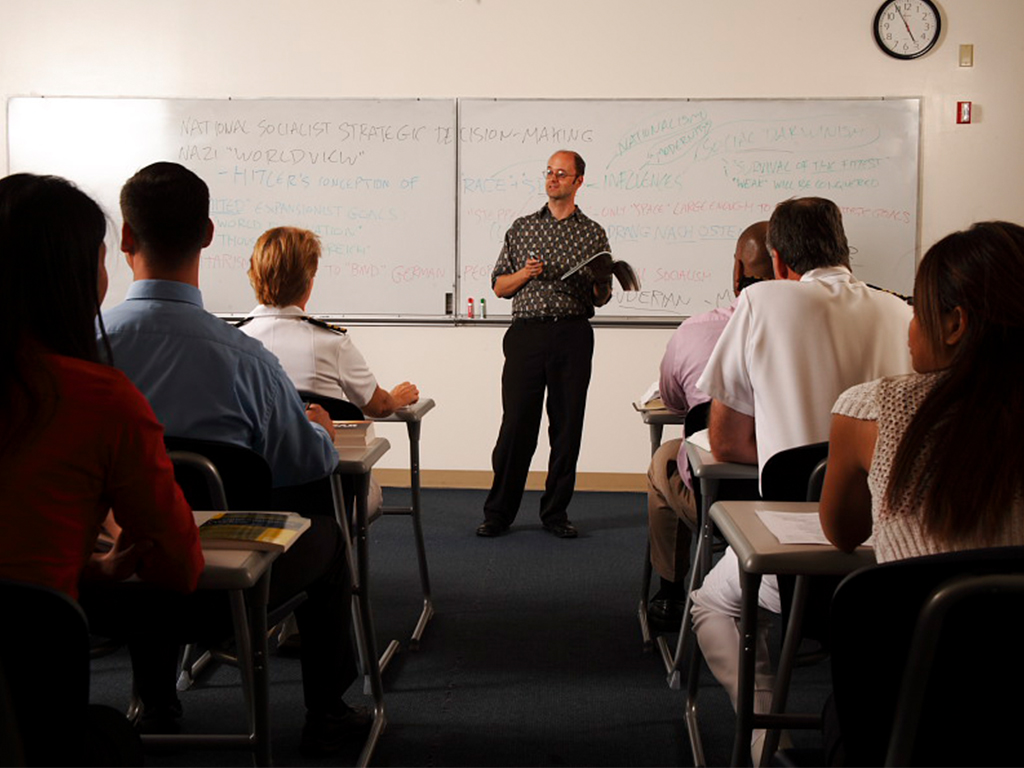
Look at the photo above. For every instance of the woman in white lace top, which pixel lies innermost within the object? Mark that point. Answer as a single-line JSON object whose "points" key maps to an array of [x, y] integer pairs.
{"points": [[932, 461]]}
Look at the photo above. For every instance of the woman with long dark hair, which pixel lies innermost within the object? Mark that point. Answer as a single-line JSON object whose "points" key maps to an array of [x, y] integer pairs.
{"points": [[79, 445], [934, 461]]}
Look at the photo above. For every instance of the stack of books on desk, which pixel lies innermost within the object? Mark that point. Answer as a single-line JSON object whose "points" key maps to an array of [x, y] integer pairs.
{"points": [[348, 434]]}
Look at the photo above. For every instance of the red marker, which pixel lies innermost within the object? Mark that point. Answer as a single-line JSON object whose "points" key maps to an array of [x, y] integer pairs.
{"points": [[469, 312]]}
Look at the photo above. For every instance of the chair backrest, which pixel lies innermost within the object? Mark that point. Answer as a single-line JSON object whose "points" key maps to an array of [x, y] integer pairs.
{"points": [[243, 474], [817, 480], [44, 653], [967, 707], [339, 410], [786, 474], [199, 479], [696, 418]]}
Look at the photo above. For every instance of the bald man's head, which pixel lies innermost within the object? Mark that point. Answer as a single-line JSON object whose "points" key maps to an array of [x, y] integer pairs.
{"points": [[753, 262]]}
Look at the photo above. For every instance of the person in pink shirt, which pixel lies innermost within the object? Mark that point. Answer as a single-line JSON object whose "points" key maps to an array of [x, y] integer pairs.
{"points": [[671, 511]]}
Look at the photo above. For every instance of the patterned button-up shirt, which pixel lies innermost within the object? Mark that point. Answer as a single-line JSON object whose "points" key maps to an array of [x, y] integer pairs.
{"points": [[561, 245]]}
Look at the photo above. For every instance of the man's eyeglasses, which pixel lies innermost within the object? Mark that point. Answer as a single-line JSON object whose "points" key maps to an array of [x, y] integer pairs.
{"points": [[560, 175]]}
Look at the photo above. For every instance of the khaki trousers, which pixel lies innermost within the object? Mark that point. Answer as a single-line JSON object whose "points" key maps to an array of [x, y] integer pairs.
{"points": [[671, 514]]}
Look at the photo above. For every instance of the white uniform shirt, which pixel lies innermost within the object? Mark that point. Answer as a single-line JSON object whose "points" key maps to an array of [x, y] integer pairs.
{"points": [[316, 359], [792, 347]]}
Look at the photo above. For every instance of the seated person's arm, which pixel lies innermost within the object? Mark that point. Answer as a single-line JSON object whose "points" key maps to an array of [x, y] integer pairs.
{"points": [[731, 434], [845, 507], [119, 558], [384, 403], [153, 531], [316, 414], [297, 443]]}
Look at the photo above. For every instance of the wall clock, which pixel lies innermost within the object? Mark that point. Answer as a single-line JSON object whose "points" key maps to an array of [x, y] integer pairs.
{"points": [[906, 29]]}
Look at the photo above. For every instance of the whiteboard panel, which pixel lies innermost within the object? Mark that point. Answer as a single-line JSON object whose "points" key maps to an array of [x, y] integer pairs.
{"points": [[374, 178], [674, 183]]}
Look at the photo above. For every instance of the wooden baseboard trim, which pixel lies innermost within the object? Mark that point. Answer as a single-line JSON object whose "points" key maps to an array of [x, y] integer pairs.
{"points": [[479, 479]]}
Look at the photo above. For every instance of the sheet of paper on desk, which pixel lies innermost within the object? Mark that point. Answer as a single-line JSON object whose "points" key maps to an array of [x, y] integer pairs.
{"points": [[796, 527], [701, 440]]}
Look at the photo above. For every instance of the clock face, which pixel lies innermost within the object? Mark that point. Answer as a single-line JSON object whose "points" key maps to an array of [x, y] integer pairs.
{"points": [[907, 29]]}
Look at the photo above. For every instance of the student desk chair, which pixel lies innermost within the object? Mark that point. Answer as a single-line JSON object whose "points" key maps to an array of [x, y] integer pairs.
{"points": [[711, 476], [926, 661], [695, 419], [788, 476], [45, 714], [245, 575], [760, 553], [357, 462], [412, 416], [656, 419]]}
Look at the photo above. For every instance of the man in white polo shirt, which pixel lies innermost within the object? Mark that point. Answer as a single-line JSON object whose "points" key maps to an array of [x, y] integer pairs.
{"points": [[792, 346]]}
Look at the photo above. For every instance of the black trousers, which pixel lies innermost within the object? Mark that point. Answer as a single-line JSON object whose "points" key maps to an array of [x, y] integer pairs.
{"points": [[540, 355], [156, 622]]}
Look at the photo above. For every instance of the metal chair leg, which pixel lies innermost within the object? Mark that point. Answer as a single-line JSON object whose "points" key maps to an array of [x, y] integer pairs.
{"points": [[645, 591]]}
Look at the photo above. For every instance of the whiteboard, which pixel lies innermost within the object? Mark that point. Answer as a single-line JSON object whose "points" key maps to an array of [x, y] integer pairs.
{"points": [[375, 179], [674, 183], [412, 197]]}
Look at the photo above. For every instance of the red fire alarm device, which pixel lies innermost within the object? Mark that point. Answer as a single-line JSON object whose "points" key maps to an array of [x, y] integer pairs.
{"points": [[963, 112]]}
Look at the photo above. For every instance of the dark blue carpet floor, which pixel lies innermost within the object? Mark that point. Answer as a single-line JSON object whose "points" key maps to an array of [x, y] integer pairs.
{"points": [[534, 657]]}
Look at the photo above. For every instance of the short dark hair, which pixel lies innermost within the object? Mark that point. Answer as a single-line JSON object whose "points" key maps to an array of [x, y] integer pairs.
{"points": [[808, 234], [577, 159], [167, 208]]}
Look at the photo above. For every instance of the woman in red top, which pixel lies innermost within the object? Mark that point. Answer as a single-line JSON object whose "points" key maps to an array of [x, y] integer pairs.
{"points": [[79, 445]]}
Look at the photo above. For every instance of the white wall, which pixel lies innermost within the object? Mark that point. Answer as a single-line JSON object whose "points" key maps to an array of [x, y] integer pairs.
{"points": [[543, 48]]}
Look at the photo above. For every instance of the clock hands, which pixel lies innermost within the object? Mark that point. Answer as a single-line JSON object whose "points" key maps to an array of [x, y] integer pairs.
{"points": [[904, 20]]}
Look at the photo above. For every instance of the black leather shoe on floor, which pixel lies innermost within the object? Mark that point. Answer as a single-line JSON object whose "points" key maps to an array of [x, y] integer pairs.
{"points": [[665, 615], [563, 530], [489, 529], [326, 734], [161, 720]]}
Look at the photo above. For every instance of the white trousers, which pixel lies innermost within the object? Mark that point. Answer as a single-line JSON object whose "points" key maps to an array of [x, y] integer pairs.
{"points": [[716, 612], [721, 591]]}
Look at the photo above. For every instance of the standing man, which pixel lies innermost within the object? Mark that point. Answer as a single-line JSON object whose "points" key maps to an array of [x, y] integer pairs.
{"points": [[548, 346]]}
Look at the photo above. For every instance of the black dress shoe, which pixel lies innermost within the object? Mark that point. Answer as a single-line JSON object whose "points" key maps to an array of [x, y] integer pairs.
{"points": [[491, 528], [162, 720], [666, 615], [563, 530]]}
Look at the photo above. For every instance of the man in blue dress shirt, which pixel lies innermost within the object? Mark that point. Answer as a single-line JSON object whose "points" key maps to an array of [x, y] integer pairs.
{"points": [[207, 380]]}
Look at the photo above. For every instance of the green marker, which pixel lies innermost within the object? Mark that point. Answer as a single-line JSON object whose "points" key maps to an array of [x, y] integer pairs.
{"points": [[483, 309]]}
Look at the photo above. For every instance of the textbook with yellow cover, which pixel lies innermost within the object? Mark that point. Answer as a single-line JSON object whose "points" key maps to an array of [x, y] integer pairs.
{"points": [[252, 530]]}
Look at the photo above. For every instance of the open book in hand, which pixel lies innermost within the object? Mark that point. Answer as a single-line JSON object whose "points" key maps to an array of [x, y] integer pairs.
{"points": [[603, 267], [267, 531]]}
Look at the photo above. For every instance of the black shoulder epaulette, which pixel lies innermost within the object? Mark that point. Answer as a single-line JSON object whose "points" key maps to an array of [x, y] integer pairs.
{"points": [[908, 299], [243, 321], [326, 326]]}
